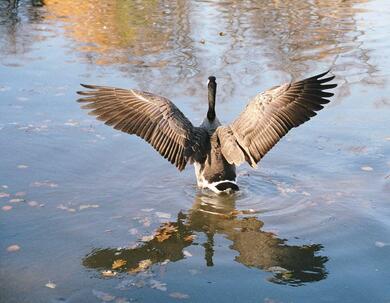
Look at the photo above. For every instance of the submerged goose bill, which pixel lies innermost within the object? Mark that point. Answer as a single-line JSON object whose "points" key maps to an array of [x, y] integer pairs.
{"points": [[215, 150]]}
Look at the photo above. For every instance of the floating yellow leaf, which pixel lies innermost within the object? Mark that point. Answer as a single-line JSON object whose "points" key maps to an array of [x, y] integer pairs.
{"points": [[142, 266], [118, 263], [189, 238], [108, 273], [16, 200], [165, 232], [147, 238], [13, 248], [4, 195], [162, 237], [51, 285], [366, 168], [6, 207]]}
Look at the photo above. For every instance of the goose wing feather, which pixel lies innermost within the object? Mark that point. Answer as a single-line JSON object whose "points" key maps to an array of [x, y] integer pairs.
{"points": [[155, 119], [270, 115]]}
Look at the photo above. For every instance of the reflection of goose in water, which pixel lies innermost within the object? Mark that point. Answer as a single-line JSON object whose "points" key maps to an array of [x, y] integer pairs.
{"points": [[290, 264], [215, 150]]}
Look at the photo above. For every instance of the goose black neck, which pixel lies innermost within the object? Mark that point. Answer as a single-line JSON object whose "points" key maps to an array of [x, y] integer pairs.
{"points": [[212, 87]]}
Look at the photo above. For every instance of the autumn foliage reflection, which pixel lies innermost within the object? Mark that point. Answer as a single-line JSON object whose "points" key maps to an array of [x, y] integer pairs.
{"points": [[288, 264]]}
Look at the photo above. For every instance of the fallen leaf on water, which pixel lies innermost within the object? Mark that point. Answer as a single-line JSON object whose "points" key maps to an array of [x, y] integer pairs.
{"points": [[13, 248], [147, 238], [4, 195], [71, 122], [63, 207], [165, 232], [178, 295], [189, 238], [366, 168], [6, 207], [50, 285], [105, 297], [142, 266], [85, 206], [45, 183], [163, 215], [118, 263], [165, 262], [381, 244], [187, 253], [16, 200], [108, 273], [32, 203], [158, 285], [161, 237], [147, 209]]}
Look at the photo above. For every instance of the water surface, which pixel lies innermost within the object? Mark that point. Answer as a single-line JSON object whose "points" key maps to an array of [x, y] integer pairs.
{"points": [[83, 201]]}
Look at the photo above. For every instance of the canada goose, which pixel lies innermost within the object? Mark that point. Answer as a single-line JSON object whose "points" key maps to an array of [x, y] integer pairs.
{"points": [[214, 150]]}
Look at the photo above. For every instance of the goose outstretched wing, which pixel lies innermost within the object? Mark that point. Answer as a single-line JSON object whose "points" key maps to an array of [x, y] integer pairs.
{"points": [[270, 115], [155, 119]]}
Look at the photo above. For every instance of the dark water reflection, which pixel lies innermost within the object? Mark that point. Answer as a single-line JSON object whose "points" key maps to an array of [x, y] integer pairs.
{"points": [[213, 215], [75, 195]]}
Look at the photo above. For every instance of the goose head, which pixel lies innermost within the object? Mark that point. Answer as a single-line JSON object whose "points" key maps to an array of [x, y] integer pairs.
{"points": [[212, 88]]}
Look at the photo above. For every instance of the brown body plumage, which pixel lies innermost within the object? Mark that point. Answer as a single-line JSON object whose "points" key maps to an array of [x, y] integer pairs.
{"points": [[214, 149]]}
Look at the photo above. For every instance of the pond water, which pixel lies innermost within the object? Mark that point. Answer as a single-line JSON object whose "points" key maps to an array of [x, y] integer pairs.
{"points": [[93, 215]]}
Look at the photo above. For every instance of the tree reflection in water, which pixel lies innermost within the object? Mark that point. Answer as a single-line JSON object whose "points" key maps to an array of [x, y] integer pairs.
{"points": [[289, 264]]}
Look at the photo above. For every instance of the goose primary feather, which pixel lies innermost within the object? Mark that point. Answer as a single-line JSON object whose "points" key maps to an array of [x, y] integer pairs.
{"points": [[215, 150]]}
